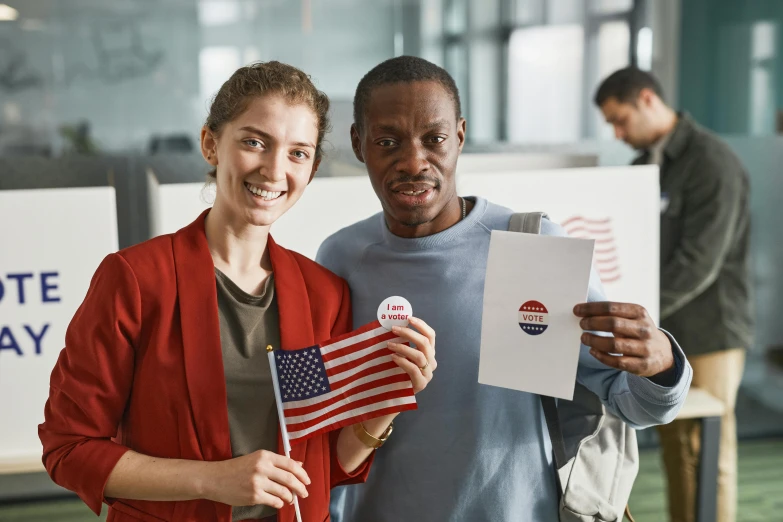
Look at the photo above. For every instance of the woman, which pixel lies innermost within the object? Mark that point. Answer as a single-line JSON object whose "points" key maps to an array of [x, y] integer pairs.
{"points": [[161, 404]]}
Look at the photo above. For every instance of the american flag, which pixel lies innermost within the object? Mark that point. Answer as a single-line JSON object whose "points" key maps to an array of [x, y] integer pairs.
{"points": [[606, 259], [342, 381]]}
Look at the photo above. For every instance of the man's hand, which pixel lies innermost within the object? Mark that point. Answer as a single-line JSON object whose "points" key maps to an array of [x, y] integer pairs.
{"points": [[639, 347]]}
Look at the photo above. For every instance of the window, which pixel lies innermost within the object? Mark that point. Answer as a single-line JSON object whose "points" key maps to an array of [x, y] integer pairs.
{"points": [[545, 84], [762, 86]]}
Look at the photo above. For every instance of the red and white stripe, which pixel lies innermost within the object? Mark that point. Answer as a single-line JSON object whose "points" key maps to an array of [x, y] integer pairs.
{"points": [[605, 255], [364, 380]]}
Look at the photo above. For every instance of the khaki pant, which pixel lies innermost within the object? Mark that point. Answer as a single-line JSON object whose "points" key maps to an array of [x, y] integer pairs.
{"points": [[719, 374]]}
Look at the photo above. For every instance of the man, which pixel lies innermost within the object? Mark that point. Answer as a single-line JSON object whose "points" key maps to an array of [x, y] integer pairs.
{"points": [[705, 287], [472, 452]]}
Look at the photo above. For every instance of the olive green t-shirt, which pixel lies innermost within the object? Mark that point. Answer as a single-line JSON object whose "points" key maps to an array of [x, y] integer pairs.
{"points": [[248, 324]]}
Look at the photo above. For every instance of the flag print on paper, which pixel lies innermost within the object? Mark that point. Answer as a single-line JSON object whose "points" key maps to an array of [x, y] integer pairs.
{"points": [[606, 259], [342, 381]]}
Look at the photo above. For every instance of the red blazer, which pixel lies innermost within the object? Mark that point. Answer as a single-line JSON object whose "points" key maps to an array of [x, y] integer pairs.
{"points": [[142, 369]]}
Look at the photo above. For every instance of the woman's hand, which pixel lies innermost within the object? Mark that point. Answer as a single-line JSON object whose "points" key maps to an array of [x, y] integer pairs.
{"points": [[418, 361], [261, 477]]}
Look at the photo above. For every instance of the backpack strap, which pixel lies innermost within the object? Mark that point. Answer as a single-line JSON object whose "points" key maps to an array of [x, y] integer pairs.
{"points": [[530, 223], [555, 432], [527, 222]]}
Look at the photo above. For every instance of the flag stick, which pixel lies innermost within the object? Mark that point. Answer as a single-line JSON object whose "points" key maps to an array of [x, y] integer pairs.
{"points": [[284, 432]]}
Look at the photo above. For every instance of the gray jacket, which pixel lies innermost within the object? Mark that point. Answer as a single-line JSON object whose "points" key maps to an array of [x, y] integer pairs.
{"points": [[706, 300]]}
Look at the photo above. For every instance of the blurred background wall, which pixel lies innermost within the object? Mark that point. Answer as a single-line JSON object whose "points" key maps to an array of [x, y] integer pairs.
{"points": [[108, 89]]}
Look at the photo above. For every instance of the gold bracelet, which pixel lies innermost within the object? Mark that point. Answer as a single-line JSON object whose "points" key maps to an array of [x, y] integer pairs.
{"points": [[369, 440]]}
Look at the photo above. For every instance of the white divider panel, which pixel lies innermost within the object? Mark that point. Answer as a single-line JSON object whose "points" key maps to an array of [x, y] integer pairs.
{"points": [[617, 206], [52, 242], [479, 163]]}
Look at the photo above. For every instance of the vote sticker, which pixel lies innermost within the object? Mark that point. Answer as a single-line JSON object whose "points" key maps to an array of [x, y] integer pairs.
{"points": [[394, 311], [533, 318]]}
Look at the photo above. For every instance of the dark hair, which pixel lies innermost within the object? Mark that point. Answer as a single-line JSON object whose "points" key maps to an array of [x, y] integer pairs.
{"points": [[625, 85], [402, 69], [262, 78]]}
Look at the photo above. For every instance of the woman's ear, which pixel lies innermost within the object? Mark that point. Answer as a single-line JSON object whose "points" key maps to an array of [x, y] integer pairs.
{"points": [[209, 146]]}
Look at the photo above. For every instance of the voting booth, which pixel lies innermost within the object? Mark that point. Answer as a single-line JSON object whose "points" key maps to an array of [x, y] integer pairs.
{"points": [[56, 237], [617, 206], [53, 240], [177, 191], [477, 159], [481, 162]]}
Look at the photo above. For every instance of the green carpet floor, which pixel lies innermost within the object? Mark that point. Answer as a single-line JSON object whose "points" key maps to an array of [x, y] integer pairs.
{"points": [[760, 491], [760, 484]]}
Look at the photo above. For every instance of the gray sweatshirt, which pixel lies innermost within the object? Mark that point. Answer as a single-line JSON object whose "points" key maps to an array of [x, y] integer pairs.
{"points": [[471, 452]]}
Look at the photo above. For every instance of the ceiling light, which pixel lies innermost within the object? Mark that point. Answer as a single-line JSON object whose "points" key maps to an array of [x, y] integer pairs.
{"points": [[8, 13]]}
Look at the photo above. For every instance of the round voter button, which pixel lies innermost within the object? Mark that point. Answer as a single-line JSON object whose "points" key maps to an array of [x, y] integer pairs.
{"points": [[533, 318], [394, 311]]}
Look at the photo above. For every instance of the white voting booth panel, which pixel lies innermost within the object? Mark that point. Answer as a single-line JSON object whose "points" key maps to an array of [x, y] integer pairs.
{"points": [[52, 242], [342, 162], [479, 163], [619, 207], [173, 206], [616, 206], [327, 205]]}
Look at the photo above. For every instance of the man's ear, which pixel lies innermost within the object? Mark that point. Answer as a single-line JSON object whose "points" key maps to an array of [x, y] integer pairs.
{"points": [[462, 127], [647, 97], [356, 143]]}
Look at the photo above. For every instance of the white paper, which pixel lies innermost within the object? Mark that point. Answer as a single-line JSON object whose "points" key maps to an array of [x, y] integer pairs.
{"points": [[533, 348]]}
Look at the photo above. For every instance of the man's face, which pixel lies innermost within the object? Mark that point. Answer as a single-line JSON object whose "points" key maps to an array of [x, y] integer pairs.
{"points": [[632, 122], [410, 141]]}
